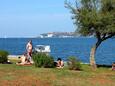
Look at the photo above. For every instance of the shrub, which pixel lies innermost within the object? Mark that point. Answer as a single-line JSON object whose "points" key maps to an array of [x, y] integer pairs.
{"points": [[73, 63], [43, 60], [3, 56]]}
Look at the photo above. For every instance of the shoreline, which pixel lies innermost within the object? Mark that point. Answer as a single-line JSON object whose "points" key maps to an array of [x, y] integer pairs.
{"points": [[14, 57]]}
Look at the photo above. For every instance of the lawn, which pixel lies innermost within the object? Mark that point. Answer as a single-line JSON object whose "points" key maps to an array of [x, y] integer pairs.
{"points": [[13, 75]]}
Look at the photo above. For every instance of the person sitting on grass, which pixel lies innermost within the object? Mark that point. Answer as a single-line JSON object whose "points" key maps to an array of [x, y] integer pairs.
{"points": [[60, 63], [23, 60], [113, 66]]}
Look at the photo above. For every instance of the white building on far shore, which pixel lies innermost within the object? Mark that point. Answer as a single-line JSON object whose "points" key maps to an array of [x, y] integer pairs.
{"points": [[48, 35], [58, 34]]}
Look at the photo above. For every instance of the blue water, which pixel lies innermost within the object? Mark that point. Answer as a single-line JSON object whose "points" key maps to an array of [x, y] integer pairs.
{"points": [[64, 47]]}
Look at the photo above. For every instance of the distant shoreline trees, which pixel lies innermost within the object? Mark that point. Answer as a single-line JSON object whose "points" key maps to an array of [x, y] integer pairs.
{"points": [[94, 17]]}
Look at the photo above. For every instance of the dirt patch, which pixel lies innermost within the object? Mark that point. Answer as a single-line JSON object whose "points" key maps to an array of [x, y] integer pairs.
{"points": [[24, 81], [104, 81]]}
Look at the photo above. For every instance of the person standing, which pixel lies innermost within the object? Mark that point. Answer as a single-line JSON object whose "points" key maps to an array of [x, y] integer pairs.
{"points": [[29, 48]]}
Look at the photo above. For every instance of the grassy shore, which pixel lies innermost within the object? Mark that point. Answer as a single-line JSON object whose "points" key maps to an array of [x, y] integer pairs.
{"points": [[13, 75]]}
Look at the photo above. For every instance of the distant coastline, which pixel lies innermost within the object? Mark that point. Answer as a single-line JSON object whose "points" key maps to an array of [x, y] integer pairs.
{"points": [[44, 37], [55, 35], [61, 35]]}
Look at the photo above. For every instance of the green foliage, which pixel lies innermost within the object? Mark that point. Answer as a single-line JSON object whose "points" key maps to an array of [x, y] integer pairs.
{"points": [[74, 63], [3, 56], [94, 16], [43, 60]]}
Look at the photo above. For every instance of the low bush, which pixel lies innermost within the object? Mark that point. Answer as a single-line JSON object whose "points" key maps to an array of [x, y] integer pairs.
{"points": [[3, 56], [73, 63], [43, 60]]}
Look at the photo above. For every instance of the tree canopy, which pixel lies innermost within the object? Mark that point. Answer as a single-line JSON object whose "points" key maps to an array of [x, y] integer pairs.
{"points": [[94, 17]]}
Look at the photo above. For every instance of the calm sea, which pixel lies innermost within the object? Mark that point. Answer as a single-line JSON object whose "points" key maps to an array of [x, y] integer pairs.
{"points": [[64, 47]]}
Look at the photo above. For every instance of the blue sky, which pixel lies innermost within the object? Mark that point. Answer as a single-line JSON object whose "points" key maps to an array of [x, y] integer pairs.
{"points": [[29, 18]]}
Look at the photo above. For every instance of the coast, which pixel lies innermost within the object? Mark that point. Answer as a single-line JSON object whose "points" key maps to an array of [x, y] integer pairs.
{"points": [[68, 47], [14, 57]]}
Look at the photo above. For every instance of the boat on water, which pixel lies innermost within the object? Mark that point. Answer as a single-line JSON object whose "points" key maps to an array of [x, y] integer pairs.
{"points": [[42, 48]]}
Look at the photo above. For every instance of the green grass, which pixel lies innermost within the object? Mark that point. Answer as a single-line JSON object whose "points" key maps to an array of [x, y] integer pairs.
{"points": [[21, 75]]}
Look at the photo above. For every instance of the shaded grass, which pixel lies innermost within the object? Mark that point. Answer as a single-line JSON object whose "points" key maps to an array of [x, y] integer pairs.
{"points": [[21, 75]]}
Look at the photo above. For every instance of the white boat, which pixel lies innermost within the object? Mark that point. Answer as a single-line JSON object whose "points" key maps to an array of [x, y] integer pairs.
{"points": [[42, 48]]}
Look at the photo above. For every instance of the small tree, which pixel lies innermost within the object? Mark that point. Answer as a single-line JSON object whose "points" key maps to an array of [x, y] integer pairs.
{"points": [[94, 17]]}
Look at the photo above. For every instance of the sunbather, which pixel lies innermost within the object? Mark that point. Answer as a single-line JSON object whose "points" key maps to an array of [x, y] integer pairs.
{"points": [[113, 66], [60, 63], [23, 59]]}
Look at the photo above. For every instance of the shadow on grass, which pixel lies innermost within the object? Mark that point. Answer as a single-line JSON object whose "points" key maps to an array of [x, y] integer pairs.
{"points": [[105, 66]]}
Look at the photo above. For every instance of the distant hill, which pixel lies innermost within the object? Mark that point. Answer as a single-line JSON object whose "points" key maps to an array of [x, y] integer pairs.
{"points": [[58, 34]]}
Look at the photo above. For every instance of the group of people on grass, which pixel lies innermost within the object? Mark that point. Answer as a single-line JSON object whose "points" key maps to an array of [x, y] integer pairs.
{"points": [[26, 58]]}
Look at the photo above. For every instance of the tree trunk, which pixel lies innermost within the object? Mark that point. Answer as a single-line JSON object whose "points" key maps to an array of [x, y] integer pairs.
{"points": [[92, 57], [92, 54]]}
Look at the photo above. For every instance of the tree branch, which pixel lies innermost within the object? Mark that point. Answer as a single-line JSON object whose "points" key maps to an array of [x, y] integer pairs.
{"points": [[98, 35], [109, 36], [104, 35]]}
